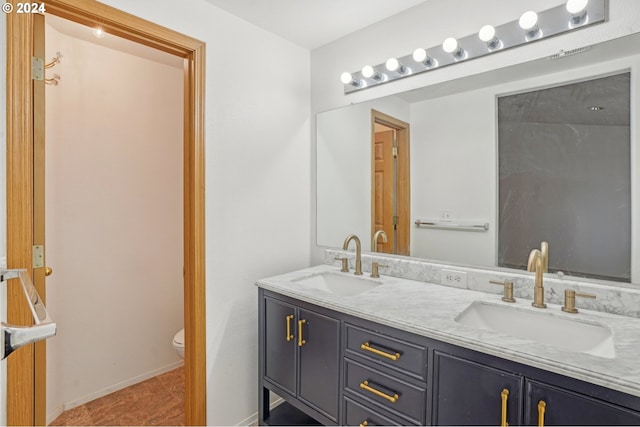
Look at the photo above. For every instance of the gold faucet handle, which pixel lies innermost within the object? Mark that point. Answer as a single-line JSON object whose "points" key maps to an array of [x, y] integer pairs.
{"points": [[570, 300], [374, 269], [345, 263], [508, 289]]}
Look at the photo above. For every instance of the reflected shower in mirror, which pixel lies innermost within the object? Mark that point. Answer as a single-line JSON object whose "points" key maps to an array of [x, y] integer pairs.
{"points": [[564, 177]]}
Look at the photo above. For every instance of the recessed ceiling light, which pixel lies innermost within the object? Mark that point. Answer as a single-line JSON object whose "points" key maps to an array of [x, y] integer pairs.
{"points": [[594, 108]]}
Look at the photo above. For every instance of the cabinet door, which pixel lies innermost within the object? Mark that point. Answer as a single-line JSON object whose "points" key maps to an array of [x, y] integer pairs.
{"points": [[319, 362], [280, 346], [564, 407], [468, 393]]}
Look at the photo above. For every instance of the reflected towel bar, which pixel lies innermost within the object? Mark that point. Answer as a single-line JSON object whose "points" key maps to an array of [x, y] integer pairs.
{"points": [[453, 225]]}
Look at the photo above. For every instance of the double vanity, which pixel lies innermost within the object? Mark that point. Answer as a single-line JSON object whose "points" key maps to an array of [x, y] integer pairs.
{"points": [[350, 349]]}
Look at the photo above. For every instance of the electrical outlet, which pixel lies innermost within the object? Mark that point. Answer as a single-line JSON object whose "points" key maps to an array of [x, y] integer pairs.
{"points": [[446, 216], [453, 278]]}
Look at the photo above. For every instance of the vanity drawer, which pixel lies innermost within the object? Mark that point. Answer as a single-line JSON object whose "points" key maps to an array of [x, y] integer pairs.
{"points": [[356, 414], [394, 353], [393, 394]]}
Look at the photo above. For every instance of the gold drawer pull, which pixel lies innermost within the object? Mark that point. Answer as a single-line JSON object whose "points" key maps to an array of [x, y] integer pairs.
{"points": [[301, 341], [367, 347], [504, 395], [365, 423], [365, 386], [541, 408], [289, 334]]}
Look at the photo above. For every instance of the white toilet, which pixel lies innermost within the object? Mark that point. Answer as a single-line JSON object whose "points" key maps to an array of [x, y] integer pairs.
{"points": [[178, 343]]}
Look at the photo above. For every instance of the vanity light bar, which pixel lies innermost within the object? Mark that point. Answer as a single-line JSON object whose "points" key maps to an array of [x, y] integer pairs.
{"points": [[573, 15]]}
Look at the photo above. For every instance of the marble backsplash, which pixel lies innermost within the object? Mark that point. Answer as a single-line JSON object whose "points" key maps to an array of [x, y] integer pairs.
{"points": [[619, 300]]}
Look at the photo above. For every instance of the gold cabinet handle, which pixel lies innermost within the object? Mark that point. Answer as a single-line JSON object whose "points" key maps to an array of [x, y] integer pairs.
{"points": [[365, 386], [541, 408], [289, 334], [365, 423], [301, 341], [505, 396], [367, 347], [48, 271]]}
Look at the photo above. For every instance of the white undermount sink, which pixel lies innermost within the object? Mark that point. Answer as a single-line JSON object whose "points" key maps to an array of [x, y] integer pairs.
{"points": [[541, 326], [344, 284]]}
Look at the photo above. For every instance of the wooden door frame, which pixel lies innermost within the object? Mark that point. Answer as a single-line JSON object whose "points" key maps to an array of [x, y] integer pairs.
{"points": [[404, 181], [22, 401]]}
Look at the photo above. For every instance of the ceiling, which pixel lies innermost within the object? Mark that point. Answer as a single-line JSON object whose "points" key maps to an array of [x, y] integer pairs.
{"points": [[313, 23], [82, 32]]}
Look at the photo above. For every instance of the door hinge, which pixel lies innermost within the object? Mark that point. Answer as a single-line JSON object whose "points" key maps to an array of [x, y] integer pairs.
{"points": [[37, 68], [395, 151], [38, 256]]}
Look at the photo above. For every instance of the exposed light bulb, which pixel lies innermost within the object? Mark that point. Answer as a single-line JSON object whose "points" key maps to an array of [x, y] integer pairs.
{"points": [[529, 22], [369, 72], [450, 45], [578, 11], [488, 35], [392, 64], [577, 6], [419, 55], [347, 79], [98, 32]]}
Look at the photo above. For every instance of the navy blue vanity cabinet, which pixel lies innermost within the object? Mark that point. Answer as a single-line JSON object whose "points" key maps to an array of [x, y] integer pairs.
{"points": [[299, 358], [319, 357], [280, 352], [385, 372], [469, 393], [551, 405], [467, 390], [359, 414], [334, 368]]}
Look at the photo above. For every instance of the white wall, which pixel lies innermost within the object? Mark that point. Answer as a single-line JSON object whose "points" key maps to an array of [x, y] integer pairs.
{"points": [[427, 25], [257, 183], [453, 168], [344, 152], [113, 219]]}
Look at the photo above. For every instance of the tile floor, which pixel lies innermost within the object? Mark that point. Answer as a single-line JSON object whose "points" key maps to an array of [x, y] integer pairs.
{"points": [[154, 402]]}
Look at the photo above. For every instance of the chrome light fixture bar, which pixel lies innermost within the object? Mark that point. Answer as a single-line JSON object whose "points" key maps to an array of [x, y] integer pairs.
{"points": [[572, 16]]}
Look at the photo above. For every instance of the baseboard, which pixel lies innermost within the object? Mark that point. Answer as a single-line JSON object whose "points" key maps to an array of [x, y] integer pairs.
{"points": [[253, 419], [55, 414], [108, 390]]}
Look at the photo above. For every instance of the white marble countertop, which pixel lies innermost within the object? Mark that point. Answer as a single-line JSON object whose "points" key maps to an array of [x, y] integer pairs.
{"points": [[430, 310]]}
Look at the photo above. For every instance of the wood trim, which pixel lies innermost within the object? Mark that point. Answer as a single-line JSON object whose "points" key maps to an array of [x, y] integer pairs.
{"points": [[404, 177], [20, 374], [404, 192], [194, 248], [20, 190]]}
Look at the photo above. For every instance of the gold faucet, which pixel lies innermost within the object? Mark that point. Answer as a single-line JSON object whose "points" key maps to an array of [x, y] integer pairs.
{"points": [[539, 262], [374, 240], [345, 246]]}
